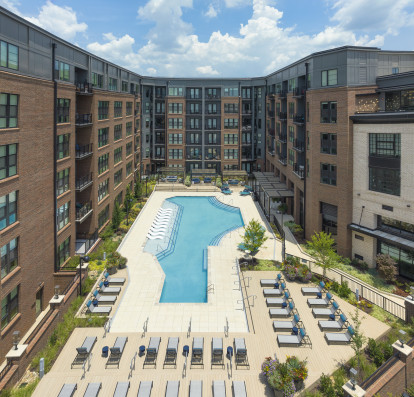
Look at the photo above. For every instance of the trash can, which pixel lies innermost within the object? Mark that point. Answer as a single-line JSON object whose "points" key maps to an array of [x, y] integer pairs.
{"points": [[141, 350], [105, 351]]}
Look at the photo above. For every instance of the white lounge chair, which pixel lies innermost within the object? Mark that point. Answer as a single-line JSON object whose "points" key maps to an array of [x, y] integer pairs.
{"points": [[156, 234], [340, 338], [145, 389], [172, 388], [285, 312], [114, 280], [320, 302], [197, 353], [326, 312], [161, 223], [217, 355], [338, 325], [313, 290], [108, 290], [240, 351], [108, 299], [270, 302], [68, 389], [265, 282], [294, 340], [286, 325], [196, 388], [149, 237], [239, 388], [121, 389], [275, 291], [90, 308], [219, 388], [93, 389]]}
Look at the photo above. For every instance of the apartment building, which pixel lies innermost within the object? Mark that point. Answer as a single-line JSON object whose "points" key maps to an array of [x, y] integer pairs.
{"points": [[383, 194]]}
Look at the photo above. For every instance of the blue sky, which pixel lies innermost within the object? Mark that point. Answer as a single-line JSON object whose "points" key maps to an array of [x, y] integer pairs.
{"points": [[219, 38]]}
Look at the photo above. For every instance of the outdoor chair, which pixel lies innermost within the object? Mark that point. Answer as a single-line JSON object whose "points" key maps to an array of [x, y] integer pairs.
{"points": [[196, 388], [239, 388], [219, 388], [197, 353], [240, 350], [217, 355], [326, 312], [275, 291], [244, 193], [93, 389], [108, 299], [300, 339], [145, 389], [265, 282], [116, 351], [171, 353], [286, 325], [152, 352], [172, 388], [272, 302], [338, 325], [92, 309], [284, 312], [114, 280], [84, 351], [207, 180], [68, 390], [314, 290], [121, 389], [320, 302], [108, 290], [339, 338]]}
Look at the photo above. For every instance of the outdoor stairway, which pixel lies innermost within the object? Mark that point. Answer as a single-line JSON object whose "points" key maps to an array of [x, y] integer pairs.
{"points": [[216, 240], [226, 207]]}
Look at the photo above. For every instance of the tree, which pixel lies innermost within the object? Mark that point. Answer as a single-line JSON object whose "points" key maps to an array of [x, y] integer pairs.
{"points": [[359, 339], [322, 250], [116, 216], [254, 236], [128, 200], [138, 189], [387, 268]]}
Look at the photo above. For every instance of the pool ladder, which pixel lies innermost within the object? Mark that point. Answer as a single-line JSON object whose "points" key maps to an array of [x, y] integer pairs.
{"points": [[210, 288]]}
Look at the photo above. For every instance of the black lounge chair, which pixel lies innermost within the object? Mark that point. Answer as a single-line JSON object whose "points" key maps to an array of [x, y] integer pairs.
{"points": [[217, 355], [116, 351], [171, 353], [84, 351], [197, 352], [152, 352], [93, 389], [68, 389], [240, 351], [121, 389]]}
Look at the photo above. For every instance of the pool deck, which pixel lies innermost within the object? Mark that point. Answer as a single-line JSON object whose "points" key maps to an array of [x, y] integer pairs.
{"points": [[145, 278], [261, 342]]}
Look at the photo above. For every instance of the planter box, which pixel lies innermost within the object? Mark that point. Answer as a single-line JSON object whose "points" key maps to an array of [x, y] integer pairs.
{"points": [[278, 393], [111, 270]]}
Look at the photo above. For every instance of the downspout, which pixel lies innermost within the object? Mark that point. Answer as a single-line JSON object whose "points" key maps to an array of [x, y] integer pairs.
{"points": [[306, 149], [54, 156]]}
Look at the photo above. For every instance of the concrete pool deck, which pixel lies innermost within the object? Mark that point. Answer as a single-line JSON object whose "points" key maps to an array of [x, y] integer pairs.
{"points": [[145, 278]]}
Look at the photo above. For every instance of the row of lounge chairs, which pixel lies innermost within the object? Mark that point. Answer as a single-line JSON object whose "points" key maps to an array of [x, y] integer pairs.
{"points": [[145, 388], [161, 224]]}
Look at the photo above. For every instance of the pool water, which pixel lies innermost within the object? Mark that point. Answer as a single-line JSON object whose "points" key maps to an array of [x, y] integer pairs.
{"points": [[201, 223]]}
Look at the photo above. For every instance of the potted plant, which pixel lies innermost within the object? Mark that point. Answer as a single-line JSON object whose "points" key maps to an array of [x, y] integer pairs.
{"points": [[112, 262], [122, 262], [298, 370], [304, 273], [279, 377], [291, 272]]}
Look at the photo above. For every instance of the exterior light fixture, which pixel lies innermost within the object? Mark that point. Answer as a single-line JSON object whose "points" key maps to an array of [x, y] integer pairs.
{"points": [[402, 337], [16, 339], [57, 290], [353, 380]]}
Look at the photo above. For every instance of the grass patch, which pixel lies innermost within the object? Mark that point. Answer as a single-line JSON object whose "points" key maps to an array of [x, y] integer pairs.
{"points": [[22, 391], [264, 265]]}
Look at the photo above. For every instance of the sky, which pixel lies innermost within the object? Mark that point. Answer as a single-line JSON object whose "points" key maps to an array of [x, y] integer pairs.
{"points": [[219, 38]]}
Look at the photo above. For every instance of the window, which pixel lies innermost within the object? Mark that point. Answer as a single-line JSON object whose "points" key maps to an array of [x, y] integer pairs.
{"points": [[194, 108], [9, 55], [231, 108], [211, 93], [175, 124], [175, 108], [211, 108], [9, 257], [103, 110], [291, 84], [117, 177], [307, 112], [231, 91], [63, 106], [175, 154], [212, 138], [124, 86], [231, 123], [8, 161], [128, 149], [129, 168], [194, 124], [395, 70], [62, 182], [39, 301], [291, 157], [329, 77], [246, 137], [195, 154], [175, 139], [211, 124], [129, 108], [231, 154], [231, 139], [396, 227], [212, 153], [328, 112], [117, 155], [291, 134], [307, 168], [97, 80], [62, 71], [8, 110], [103, 216], [63, 252], [328, 143], [103, 163], [194, 138], [117, 109], [175, 91], [103, 188], [246, 93], [329, 214], [128, 128], [385, 180], [103, 136], [9, 307], [117, 132], [63, 146], [291, 109], [159, 92], [194, 93], [328, 174], [63, 215], [358, 237], [118, 198], [113, 84], [385, 145]]}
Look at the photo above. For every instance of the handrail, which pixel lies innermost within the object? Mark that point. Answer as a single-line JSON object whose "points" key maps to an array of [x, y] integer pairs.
{"points": [[6, 369], [210, 288], [185, 365], [132, 365], [189, 328], [145, 327], [226, 328], [107, 326]]}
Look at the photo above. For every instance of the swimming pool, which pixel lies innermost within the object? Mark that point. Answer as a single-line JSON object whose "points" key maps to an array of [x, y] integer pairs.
{"points": [[204, 221]]}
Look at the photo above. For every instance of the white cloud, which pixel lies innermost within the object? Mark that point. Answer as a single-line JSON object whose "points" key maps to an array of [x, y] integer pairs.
{"points": [[211, 12], [11, 5], [207, 70], [59, 20], [237, 3]]}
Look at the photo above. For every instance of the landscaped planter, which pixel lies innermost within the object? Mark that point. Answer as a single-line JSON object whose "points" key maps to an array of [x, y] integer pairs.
{"points": [[111, 270], [278, 393], [299, 384]]}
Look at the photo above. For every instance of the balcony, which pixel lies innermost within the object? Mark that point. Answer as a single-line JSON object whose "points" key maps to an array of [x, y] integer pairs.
{"points": [[271, 131], [271, 152], [193, 157], [282, 116], [299, 170], [83, 182], [298, 145], [282, 137], [84, 88], [159, 157], [246, 128], [282, 94], [213, 158], [282, 160], [83, 120], [83, 151], [298, 92], [299, 119], [196, 97], [83, 211], [213, 97], [271, 113], [246, 111]]}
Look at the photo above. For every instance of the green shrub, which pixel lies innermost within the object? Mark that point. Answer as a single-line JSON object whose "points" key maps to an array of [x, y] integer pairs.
{"points": [[387, 268], [187, 181], [219, 184], [326, 386]]}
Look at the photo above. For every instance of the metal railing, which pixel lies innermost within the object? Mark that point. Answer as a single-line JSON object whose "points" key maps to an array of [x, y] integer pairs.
{"points": [[299, 170], [282, 137], [379, 372], [84, 88], [83, 211], [299, 118], [298, 145], [6, 369], [282, 160], [83, 181], [282, 115], [298, 92], [90, 241], [83, 119], [83, 151]]}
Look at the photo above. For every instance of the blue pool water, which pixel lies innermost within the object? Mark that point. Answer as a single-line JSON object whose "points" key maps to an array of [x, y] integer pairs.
{"points": [[201, 224]]}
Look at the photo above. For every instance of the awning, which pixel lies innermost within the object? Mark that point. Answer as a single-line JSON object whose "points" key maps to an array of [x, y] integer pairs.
{"points": [[271, 185], [171, 170]]}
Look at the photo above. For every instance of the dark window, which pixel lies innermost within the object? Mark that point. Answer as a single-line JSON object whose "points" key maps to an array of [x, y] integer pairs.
{"points": [[291, 156], [387, 208], [231, 108], [8, 110], [103, 216], [103, 189], [329, 77], [63, 215], [329, 218], [194, 93], [231, 154], [63, 146], [117, 177], [128, 148], [212, 138], [175, 154], [113, 84], [359, 257], [103, 136], [9, 307], [128, 128], [117, 109], [103, 162], [124, 86], [403, 257], [328, 174], [117, 155], [175, 139], [129, 168], [194, 138], [194, 124], [129, 108], [62, 71], [175, 123], [63, 252], [328, 112], [118, 199], [97, 80], [246, 93], [175, 108], [117, 132], [39, 301], [358, 237], [328, 143], [398, 228], [9, 55], [9, 257], [63, 108], [385, 145], [8, 160], [231, 123], [103, 110], [291, 109], [385, 180], [62, 182], [231, 139]]}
